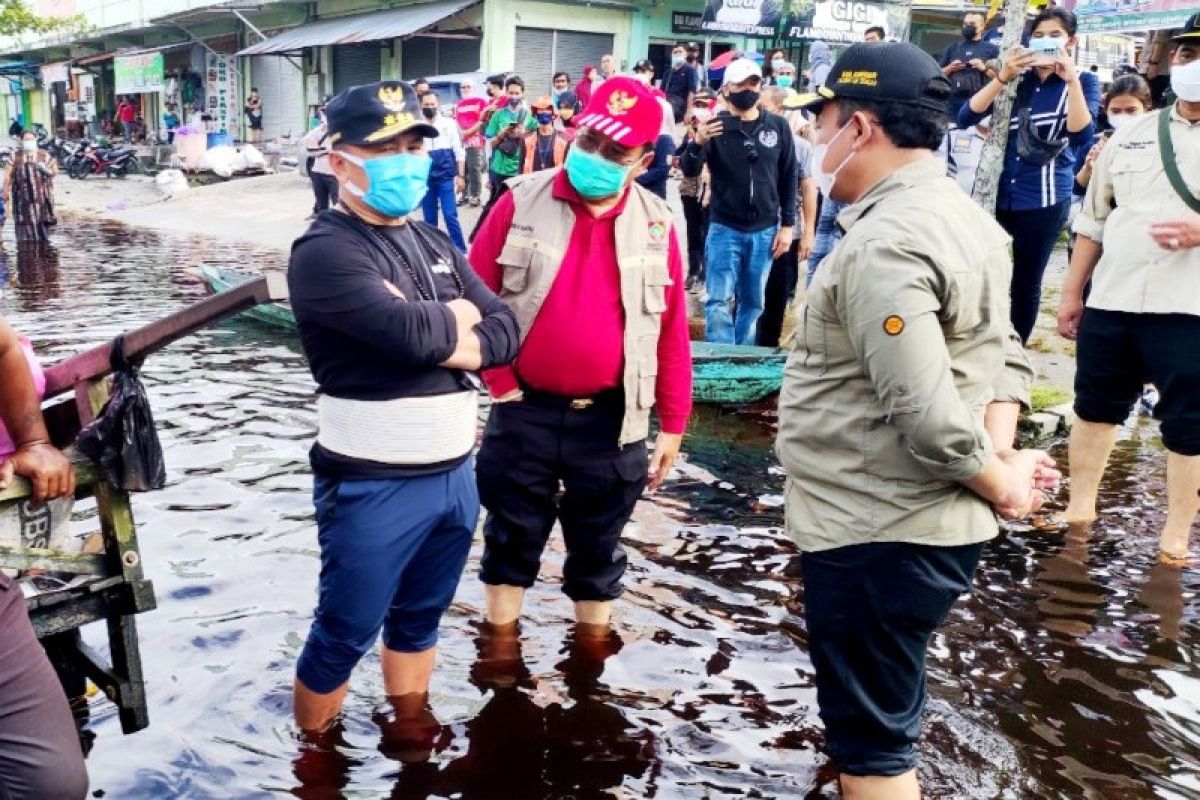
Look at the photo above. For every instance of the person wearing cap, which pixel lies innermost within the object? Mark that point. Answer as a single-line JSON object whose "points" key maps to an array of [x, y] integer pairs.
{"points": [[1052, 115], [751, 159], [546, 147], [589, 262], [567, 107], [1138, 244], [447, 170], [394, 324], [681, 84], [898, 410], [694, 190], [468, 113]]}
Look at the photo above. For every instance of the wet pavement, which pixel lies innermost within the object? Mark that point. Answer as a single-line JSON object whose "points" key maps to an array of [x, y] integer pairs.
{"points": [[1071, 672]]}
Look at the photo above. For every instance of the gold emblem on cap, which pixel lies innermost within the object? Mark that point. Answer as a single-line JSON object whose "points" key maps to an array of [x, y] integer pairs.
{"points": [[392, 98], [620, 102]]}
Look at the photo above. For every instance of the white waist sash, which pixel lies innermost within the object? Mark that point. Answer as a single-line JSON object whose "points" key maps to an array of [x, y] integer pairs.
{"points": [[407, 430]]}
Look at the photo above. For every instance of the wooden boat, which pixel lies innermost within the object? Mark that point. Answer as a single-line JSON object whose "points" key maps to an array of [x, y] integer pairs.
{"points": [[109, 586], [722, 374]]}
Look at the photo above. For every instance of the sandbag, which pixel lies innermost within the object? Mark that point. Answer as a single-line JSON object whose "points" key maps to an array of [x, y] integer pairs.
{"points": [[171, 182], [253, 157], [123, 441]]}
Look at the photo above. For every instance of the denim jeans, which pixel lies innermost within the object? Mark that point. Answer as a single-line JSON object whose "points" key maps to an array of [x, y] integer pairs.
{"points": [[443, 192], [827, 236], [738, 265]]}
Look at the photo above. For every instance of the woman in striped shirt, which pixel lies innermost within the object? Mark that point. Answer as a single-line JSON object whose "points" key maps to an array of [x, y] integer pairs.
{"points": [[1051, 118]]}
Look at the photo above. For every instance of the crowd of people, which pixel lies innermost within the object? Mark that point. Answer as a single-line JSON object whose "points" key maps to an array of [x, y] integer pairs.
{"points": [[569, 307]]}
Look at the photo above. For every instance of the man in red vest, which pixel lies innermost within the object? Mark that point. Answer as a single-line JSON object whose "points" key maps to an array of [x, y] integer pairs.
{"points": [[590, 265]]}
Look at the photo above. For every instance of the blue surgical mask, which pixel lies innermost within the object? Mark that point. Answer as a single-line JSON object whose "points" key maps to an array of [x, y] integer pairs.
{"points": [[784, 81], [545, 119], [513, 102], [396, 183], [677, 59], [593, 175]]}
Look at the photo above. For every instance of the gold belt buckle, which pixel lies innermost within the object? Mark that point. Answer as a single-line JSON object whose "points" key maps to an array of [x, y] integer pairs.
{"points": [[580, 405]]}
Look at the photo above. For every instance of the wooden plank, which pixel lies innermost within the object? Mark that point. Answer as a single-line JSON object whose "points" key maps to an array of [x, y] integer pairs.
{"points": [[157, 335], [86, 474], [52, 560]]}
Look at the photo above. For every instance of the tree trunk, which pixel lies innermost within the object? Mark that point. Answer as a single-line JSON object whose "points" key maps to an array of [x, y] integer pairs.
{"points": [[991, 161]]}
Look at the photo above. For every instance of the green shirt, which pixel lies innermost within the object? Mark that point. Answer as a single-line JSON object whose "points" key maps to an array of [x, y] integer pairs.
{"points": [[904, 342], [502, 164]]}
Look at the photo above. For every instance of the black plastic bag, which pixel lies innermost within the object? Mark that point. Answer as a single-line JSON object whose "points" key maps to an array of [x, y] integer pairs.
{"points": [[123, 441]]}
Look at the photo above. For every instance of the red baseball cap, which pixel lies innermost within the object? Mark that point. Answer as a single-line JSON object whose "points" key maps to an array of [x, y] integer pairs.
{"points": [[623, 109]]}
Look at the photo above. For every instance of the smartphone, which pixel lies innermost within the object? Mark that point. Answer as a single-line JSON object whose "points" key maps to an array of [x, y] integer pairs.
{"points": [[1045, 50]]}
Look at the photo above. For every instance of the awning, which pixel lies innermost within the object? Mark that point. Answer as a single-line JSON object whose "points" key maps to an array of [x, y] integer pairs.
{"points": [[391, 24], [19, 68], [84, 61], [219, 10]]}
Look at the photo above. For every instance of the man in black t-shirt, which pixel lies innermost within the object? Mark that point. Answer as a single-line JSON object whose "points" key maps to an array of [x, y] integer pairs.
{"points": [[681, 84], [394, 323], [965, 63]]}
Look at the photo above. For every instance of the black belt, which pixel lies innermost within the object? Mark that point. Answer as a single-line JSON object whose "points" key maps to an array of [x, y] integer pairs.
{"points": [[609, 398]]}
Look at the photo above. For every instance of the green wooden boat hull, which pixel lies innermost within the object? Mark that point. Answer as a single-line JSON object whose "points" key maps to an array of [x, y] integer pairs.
{"points": [[722, 374]]}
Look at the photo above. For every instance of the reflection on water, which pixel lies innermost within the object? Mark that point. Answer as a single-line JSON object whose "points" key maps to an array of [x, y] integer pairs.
{"points": [[1070, 673]]}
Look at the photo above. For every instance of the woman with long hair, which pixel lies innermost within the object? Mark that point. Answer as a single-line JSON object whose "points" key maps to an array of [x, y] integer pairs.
{"points": [[29, 191], [1052, 115]]}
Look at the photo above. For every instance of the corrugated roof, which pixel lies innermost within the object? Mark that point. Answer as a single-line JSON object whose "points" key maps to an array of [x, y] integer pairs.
{"points": [[391, 24]]}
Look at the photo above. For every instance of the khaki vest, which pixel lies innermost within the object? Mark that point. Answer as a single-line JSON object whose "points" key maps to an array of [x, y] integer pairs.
{"points": [[533, 252]]}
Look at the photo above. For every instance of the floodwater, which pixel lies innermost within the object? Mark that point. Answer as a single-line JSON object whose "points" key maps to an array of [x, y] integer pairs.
{"points": [[1071, 672]]}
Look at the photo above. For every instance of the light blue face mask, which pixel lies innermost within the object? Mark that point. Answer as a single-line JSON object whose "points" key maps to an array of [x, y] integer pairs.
{"points": [[783, 81], [593, 175], [396, 183]]}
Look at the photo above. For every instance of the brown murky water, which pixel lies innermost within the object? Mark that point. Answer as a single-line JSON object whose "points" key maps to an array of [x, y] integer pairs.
{"points": [[1071, 672]]}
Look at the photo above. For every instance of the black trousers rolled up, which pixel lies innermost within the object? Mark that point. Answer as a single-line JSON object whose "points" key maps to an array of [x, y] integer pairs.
{"points": [[531, 448], [40, 756], [781, 285]]}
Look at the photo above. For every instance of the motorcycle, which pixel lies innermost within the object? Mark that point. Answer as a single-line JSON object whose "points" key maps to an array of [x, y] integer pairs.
{"points": [[62, 150], [113, 162]]}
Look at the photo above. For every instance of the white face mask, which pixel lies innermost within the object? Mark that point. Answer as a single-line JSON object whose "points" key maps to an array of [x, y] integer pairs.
{"points": [[1118, 121], [825, 180], [29, 145], [1185, 81]]}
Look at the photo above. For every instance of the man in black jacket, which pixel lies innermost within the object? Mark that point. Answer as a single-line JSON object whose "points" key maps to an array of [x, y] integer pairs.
{"points": [[752, 165], [394, 323]]}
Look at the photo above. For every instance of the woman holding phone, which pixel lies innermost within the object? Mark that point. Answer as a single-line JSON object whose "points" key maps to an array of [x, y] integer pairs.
{"points": [[1052, 116]]}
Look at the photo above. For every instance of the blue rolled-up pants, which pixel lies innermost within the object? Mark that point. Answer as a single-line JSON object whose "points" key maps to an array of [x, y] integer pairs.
{"points": [[392, 553]]}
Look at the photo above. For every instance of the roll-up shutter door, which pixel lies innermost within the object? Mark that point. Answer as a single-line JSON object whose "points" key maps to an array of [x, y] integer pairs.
{"points": [[418, 58], [535, 59], [281, 85], [541, 53], [356, 64], [575, 50], [457, 55]]}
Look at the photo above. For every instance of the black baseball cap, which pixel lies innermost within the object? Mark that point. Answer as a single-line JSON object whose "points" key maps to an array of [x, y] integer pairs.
{"points": [[1191, 30], [896, 72], [375, 113]]}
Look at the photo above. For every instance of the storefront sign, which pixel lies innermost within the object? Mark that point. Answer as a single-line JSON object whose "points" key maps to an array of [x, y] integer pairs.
{"points": [[55, 73], [138, 74], [687, 22], [843, 21], [744, 17], [220, 92], [81, 102], [1106, 50], [1113, 16]]}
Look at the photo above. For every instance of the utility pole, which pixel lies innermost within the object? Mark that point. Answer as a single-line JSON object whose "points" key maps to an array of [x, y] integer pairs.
{"points": [[991, 161]]}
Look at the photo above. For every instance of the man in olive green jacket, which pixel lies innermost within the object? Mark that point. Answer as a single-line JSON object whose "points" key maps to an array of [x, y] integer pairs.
{"points": [[898, 410]]}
